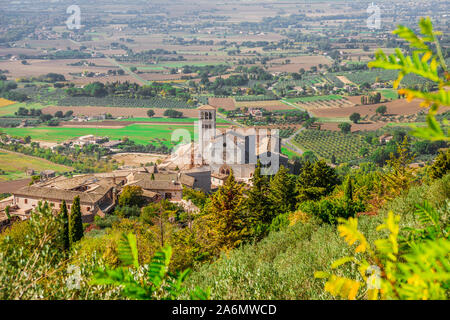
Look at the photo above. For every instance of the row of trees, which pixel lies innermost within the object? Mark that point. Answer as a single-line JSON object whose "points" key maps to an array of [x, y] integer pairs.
{"points": [[130, 90]]}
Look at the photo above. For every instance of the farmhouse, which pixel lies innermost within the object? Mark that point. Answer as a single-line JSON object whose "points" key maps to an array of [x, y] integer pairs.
{"points": [[385, 138]]}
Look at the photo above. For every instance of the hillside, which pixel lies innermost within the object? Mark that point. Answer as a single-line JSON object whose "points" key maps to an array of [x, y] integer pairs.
{"points": [[282, 265]]}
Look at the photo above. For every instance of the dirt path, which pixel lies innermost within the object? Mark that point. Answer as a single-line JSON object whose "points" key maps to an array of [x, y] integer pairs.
{"points": [[128, 71]]}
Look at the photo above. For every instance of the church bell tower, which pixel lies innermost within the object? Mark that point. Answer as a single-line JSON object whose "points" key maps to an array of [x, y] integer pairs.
{"points": [[206, 128]]}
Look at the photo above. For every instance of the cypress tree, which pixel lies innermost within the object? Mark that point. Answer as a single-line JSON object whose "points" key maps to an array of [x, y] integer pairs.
{"points": [[333, 159], [65, 232], [348, 189], [8, 215], [75, 222]]}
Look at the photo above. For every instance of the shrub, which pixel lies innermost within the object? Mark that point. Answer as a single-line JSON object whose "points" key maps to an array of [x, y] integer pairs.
{"points": [[441, 166], [345, 127], [106, 222], [329, 211]]}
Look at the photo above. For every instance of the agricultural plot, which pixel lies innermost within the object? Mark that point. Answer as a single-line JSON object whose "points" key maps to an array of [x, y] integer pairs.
{"points": [[14, 166], [321, 102], [334, 81], [296, 63], [389, 94], [140, 133], [360, 77], [272, 105], [255, 98], [291, 154], [325, 144], [119, 111], [124, 102], [306, 81], [225, 103], [381, 75], [5, 102], [9, 110]]}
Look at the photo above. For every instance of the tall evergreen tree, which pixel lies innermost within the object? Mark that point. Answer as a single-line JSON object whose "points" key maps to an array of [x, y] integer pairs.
{"points": [[226, 224], [65, 232], [258, 203], [315, 181], [282, 192], [348, 189], [75, 222]]}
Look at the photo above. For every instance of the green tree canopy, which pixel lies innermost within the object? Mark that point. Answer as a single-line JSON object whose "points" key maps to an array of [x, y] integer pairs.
{"points": [[131, 196], [315, 181]]}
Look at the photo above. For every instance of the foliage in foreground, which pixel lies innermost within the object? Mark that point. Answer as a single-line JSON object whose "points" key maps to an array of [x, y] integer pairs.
{"points": [[423, 272], [149, 282], [282, 265], [35, 265], [418, 63]]}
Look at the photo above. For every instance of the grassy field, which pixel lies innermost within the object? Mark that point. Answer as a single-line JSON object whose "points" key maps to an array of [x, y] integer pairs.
{"points": [[389, 94], [10, 109], [140, 133], [15, 165], [289, 153]]}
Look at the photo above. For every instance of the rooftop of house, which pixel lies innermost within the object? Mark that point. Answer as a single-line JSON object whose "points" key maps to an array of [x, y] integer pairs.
{"points": [[157, 185], [154, 178], [44, 193], [89, 187], [206, 107]]}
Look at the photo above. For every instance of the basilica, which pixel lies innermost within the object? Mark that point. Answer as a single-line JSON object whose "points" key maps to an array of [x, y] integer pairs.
{"points": [[221, 151]]}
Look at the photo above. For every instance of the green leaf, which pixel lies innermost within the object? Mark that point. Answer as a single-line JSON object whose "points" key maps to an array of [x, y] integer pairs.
{"points": [[321, 275], [342, 261], [127, 250]]}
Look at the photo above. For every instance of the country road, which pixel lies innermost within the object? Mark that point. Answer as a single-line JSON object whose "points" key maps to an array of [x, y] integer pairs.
{"points": [[128, 71]]}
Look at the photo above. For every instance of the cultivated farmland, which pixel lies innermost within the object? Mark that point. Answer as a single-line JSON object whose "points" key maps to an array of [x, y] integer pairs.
{"points": [[118, 111], [13, 166], [140, 133], [321, 102], [271, 105], [325, 144]]}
